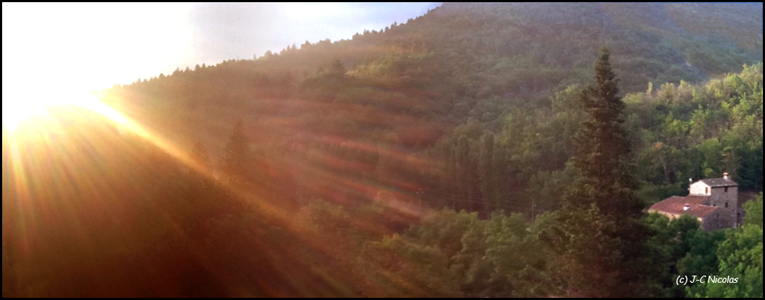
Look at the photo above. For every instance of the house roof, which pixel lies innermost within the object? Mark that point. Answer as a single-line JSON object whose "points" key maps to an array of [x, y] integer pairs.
{"points": [[719, 182], [675, 204]]}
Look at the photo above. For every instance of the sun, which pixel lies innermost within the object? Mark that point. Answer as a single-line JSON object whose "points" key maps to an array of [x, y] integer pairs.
{"points": [[16, 112], [33, 107]]}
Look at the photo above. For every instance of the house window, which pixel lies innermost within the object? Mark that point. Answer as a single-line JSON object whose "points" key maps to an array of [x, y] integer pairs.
{"points": [[707, 190], [726, 189], [726, 204]]}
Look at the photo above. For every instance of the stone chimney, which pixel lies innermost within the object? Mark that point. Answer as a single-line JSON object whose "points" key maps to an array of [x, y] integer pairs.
{"points": [[725, 176], [687, 207]]}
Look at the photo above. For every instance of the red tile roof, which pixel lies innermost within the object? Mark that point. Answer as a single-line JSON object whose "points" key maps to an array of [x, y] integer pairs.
{"points": [[675, 204]]}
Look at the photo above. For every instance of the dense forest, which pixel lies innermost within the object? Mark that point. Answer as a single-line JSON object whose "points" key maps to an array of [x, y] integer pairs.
{"points": [[475, 151]]}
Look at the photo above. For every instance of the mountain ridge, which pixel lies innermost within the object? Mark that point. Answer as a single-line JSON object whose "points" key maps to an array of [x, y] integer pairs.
{"points": [[458, 61]]}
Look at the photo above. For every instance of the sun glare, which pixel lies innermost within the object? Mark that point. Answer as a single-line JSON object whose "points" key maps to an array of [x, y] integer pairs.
{"points": [[20, 111], [15, 112], [21, 108]]}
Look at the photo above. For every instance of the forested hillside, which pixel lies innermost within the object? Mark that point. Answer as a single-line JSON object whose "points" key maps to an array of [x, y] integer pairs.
{"points": [[387, 103], [449, 156], [464, 61]]}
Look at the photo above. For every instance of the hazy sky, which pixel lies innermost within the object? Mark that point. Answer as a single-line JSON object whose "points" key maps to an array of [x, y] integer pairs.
{"points": [[53, 48]]}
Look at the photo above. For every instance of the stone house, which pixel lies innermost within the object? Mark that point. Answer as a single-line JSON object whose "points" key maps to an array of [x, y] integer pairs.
{"points": [[714, 202]]}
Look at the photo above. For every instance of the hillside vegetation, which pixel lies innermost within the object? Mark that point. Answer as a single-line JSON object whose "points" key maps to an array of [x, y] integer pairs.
{"points": [[509, 70], [444, 157]]}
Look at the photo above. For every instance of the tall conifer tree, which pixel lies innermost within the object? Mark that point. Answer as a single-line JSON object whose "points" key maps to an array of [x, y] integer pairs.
{"points": [[603, 149], [199, 155], [599, 239], [237, 155], [487, 174]]}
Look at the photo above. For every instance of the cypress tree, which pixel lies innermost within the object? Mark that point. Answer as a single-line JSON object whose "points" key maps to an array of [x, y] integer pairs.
{"points": [[599, 240], [463, 172], [486, 174], [236, 160], [602, 149], [337, 68], [200, 156]]}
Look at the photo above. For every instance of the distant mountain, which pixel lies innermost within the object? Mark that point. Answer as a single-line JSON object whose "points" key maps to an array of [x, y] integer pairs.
{"points": [[409, 83], [650, 41]]}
